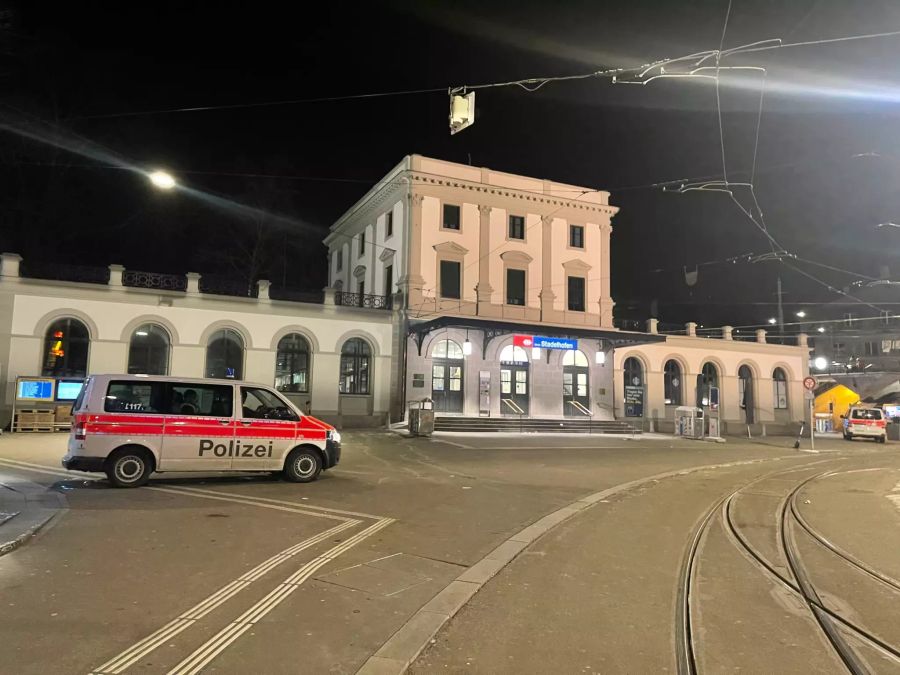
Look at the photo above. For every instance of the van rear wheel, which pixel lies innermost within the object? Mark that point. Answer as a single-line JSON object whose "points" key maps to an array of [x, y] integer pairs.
{"points": [[129, 467], [303, 465]]}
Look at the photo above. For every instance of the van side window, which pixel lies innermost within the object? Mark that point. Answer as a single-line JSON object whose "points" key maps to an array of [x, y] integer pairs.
{"points": [[208, 400], [135, 397], [263, 404]]}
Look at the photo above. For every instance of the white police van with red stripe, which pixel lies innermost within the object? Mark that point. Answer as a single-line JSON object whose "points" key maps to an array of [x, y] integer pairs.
{"points": [[129, 426]]}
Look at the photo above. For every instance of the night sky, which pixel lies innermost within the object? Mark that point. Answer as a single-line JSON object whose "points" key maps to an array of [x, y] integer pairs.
{"points": [[828, 158]]}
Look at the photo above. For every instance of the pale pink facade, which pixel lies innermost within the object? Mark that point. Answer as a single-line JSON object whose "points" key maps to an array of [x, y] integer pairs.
{"points": [[416, 192]]}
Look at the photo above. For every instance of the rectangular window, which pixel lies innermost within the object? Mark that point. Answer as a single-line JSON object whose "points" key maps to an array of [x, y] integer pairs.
{"points": [[780, 394], [135, 397], [576, 236], [516, 227], [576, 294], [848, 319], [339, 260], [450, 272], [208, 400], [872, 349], [389, 280], [362, 243], [515, 287], [451, 217], [388, 224]]}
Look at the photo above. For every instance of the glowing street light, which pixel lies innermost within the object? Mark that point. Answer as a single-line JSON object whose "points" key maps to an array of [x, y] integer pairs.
{"points": [[821, 329], [801, 313], [773, 321], [162, 180], [820, 362]]}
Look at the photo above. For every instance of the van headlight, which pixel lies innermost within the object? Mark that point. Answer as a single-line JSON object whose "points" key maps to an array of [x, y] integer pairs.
{"points": [[333, 435]]}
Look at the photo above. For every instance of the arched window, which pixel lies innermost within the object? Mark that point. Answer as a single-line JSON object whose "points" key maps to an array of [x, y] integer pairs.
{"points": [[225, 355], [512, 354], [745, 386], [672, 381], [292, 364], [66, 346], [148, 353], [575, 357], [355, 362], [779, 382], [634, 372], [447, 349], [709, 377]]}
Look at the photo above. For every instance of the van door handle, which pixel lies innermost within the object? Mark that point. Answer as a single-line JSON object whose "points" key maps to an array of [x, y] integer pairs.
{"points": [[246, 422], [224, 422]]}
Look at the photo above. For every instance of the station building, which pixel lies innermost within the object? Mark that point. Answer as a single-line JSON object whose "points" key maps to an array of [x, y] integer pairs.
{"points": [[487, 292], [488, 266]]}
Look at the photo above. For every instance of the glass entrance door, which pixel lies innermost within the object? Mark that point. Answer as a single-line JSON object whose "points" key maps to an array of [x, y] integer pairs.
{"points": [[514, 389], [576, 400], [447, 385]]}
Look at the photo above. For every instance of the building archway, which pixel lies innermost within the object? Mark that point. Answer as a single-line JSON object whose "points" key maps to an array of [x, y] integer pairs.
{"points": [[515, 385], [576, 384]]}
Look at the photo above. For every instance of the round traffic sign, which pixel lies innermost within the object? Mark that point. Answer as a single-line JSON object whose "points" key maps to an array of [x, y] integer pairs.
{"points": [[809, 382]]}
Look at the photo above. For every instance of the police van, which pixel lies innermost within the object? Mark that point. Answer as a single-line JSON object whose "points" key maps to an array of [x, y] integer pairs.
{"points": [[129, 426]]}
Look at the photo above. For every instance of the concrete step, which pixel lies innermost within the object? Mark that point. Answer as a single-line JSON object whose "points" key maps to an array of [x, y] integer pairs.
{"points": [[537, 425]]}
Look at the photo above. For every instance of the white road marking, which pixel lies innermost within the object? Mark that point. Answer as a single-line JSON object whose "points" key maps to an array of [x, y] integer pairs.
{"points": [[196, 661], [231, 633], [268, 500], [140, 649]]}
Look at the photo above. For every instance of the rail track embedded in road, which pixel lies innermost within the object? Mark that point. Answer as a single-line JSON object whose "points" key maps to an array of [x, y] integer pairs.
{"points": [[798, 581]]}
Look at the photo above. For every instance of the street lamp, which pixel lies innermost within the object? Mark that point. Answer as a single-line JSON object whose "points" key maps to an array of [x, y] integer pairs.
{"points": [[821, 329], [773, 321], [820, 362], [801, 314], [162, 180]]}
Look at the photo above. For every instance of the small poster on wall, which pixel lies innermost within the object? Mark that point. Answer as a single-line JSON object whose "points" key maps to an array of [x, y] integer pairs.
{"points": [[634, 401]]}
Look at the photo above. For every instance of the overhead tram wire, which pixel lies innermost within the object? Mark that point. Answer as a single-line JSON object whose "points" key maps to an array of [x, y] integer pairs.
{"points": [[530, 84]]}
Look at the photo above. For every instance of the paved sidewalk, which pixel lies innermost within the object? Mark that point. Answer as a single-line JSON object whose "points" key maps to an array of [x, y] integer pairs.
{"points": [[25, 508]]}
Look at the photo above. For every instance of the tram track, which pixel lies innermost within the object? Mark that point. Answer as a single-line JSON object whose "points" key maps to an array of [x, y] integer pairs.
{"points": [[798, 580]]}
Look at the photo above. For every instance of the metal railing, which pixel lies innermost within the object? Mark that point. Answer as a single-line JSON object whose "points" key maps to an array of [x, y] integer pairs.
{"points": [[295, 295], [363, 300], [63, 272], [516, 410], [582, 410], [210, 283], [164, 282]]}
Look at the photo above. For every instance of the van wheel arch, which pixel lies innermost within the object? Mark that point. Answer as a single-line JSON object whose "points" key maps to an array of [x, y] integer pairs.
{"points": [[134, 449], [290, 470]]}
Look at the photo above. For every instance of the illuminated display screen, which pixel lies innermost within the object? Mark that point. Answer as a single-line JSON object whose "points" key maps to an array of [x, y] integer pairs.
{"points": [[68, 390], [34, 390]]}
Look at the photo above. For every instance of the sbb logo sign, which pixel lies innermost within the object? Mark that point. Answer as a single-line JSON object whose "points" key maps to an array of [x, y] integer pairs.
{"points": [[526, 341]]}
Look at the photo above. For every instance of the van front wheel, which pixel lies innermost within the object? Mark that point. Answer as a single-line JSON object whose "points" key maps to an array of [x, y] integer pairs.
{"points": [[303, 465], [129, 467]]}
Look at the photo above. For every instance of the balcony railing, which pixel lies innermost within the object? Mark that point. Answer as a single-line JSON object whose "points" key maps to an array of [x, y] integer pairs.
{"points": [[62, 272], [295, 295], [363, 300], [210, 283], [164, 282]]}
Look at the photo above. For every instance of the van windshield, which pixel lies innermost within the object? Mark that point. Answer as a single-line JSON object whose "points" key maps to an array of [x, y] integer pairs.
{"points": [[82, 395]]}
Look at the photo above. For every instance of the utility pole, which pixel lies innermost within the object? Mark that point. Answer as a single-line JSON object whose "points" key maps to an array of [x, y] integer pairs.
{"points": [[780, 308]]}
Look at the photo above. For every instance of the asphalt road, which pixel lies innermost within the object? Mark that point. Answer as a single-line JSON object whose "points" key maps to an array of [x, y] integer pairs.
{"points": [[244, 574]]}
